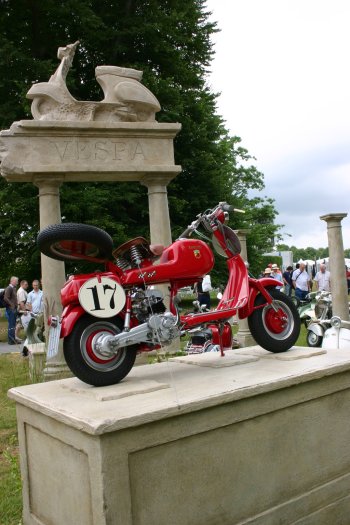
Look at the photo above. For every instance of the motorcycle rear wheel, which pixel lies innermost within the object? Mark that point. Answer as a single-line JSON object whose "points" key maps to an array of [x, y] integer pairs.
{"points": [[69, 241], [266, 326], [313, 340], [86, 362]]}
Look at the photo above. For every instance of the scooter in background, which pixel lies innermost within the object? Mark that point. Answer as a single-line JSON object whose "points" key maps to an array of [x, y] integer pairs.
{"points": [[338, 335], [306, 307], [322, 321]]}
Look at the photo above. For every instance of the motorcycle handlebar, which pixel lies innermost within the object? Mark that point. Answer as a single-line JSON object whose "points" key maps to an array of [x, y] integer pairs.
{"points": [[228, 207], [186, 233], [223, 205]]}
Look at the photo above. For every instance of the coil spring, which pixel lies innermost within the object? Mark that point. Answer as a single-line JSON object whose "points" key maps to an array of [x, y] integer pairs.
{"points": [[135, 255], [122, 263]]}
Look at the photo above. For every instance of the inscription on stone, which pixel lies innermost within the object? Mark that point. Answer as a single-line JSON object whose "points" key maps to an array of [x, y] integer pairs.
{"points": [[99, 150]]}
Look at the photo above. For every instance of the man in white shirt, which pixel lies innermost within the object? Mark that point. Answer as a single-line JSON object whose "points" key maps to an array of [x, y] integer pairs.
{"points": [[301, 281], [22, 301], [323, 279], [35, 299]]}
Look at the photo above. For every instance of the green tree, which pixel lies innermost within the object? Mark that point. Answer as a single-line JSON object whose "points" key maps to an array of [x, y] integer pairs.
{"points": [[170, 42]]}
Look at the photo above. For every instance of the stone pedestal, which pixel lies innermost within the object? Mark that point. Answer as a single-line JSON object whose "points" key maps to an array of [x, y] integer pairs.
{"points": [[339, 287], [251, 437]]}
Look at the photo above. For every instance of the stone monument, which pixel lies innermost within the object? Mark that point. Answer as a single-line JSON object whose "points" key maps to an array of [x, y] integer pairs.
{"points": [[116, 139]]}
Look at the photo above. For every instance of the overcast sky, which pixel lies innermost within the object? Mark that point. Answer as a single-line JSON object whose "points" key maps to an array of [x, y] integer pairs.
{"points": [[283, 70]]}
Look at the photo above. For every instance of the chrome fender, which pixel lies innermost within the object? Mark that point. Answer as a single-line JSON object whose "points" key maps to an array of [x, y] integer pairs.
{"points": [[316, 329]]}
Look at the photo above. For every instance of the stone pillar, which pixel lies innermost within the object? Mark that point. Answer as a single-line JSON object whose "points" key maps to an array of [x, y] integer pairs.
{"points": [[244, 337], [160, 231], [337, 265], [53, 272], [159, 220]]}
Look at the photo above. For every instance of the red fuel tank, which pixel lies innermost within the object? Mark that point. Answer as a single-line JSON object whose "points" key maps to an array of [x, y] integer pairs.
{"points": [[183, 259]]}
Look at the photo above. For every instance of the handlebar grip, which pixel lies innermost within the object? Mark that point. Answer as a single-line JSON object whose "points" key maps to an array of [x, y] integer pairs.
{"points": [[229, 207]]}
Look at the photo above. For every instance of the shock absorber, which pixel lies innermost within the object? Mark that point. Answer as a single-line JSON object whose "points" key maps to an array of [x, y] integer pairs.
{"points": [[135, 255], [122, 263]]}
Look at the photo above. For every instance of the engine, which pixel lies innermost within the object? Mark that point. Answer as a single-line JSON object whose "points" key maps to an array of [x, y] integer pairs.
{"points": [[146, 303]]}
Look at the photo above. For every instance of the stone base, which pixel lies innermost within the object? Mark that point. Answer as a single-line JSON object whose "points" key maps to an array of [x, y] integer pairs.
{"points": [[245, 338], [37, 357], [262, 439]]}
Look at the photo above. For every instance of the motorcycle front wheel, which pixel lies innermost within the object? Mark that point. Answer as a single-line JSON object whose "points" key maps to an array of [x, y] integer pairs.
{"points": [[275, 331], [313, 340], [83, 357]]}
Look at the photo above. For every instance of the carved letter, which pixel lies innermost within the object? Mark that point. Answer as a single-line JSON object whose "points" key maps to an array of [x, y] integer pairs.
{"points": [[64, 151], [119, 149], [138, 151], [101, 152], [83, 150]]}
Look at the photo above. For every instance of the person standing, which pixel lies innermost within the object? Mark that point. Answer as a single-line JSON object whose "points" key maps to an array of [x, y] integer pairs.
{"points": [[287, 279], [347, 270], [35, 299], [203, 289], [22, 295], [10, 299], [323, 279], [275, 274], [301, 281]]}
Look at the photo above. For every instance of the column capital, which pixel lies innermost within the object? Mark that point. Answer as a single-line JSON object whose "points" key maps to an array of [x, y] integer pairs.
{"points": [[48, 182], [333, 217], [157, 180], [243, 231]]}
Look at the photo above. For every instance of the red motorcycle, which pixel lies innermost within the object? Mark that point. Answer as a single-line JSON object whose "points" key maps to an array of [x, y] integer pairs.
{"points": [[110, 316]]}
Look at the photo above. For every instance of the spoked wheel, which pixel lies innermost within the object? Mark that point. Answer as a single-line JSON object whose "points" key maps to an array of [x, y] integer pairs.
{"points": [[313, 340], [84, 359], [71, 241], [275, 330]]}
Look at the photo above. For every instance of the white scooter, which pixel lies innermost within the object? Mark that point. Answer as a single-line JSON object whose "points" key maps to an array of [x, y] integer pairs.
{"points": [[338, 335]]}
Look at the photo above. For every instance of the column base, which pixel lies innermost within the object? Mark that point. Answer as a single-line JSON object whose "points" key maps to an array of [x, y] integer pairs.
{"points": [[56, 370], [245, 338]]}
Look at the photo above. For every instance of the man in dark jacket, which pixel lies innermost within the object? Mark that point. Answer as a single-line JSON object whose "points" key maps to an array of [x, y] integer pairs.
{"points": [[10, 299]]}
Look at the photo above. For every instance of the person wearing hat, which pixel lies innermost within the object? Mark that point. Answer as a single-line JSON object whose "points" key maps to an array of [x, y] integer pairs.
{"points": [[267, 272], [276, 274]]}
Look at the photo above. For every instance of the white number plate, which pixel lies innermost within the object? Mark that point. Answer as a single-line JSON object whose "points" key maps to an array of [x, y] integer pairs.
{"points": [[54, 340], [102, 297]]}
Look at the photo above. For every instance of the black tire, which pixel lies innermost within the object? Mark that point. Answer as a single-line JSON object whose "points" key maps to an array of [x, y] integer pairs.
{"points": [[266, 327], [72, 241], [313, 340], [86, 363]]}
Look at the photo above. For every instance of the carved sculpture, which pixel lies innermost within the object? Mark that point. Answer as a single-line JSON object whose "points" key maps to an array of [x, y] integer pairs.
{"points": [[126, 99]]}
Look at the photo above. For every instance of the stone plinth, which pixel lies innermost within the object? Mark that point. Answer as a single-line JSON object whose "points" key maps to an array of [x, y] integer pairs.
{"points": [[252, 437], [88, 151]]}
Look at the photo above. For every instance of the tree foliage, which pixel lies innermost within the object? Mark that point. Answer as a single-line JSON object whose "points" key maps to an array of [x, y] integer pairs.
{"points": [[170, 42]]}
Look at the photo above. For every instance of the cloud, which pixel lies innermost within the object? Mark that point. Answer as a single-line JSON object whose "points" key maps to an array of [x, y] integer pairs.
{"points": [[282, 70]]}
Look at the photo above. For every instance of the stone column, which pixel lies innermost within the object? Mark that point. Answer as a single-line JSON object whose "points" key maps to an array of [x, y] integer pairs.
{"points": [[160, 230], [244, 336], [53, 272], [337, 265], [159, 220]]}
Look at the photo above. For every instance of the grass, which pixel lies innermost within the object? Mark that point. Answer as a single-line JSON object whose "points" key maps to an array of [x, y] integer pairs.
{"points": [[13, 372]]}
